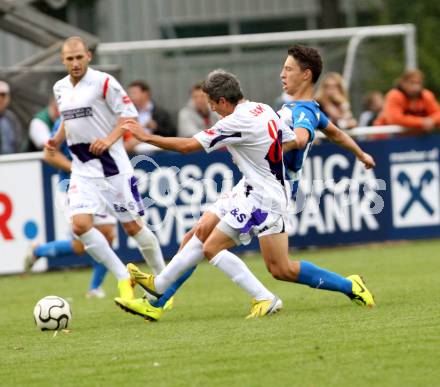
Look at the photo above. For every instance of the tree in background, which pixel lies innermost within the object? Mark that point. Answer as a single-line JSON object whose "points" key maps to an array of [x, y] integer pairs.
{"points": [[425, 14]]}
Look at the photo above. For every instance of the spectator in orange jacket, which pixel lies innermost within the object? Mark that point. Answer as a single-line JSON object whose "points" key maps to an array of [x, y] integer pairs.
{"points": [[410, 105]]}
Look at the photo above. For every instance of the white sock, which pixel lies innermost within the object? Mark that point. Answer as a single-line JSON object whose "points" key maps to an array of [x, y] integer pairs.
{"points": [[239, 273], [150, 249], [189, 256], [97, 246]]}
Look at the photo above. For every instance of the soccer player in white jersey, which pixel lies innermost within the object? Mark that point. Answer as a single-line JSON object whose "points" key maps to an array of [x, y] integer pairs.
{"points": [[93, 107], [252, 133], [247, 210]]}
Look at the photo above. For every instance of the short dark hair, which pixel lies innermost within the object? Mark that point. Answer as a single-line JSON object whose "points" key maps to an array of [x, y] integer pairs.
{"points": [[141, 84], [307, 58], [220, 83]]}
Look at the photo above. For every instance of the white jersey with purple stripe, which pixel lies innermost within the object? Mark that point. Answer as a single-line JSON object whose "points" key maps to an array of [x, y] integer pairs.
{"points": [[253, 135], [90, 110]]}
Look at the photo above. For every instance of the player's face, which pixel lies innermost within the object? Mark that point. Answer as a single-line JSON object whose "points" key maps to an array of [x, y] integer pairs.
{"points": [[221, 107], [292, 76], [76, 59]]}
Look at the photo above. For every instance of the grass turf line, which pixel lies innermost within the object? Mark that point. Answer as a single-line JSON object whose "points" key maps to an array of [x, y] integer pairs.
{"points": [[320, 339]]}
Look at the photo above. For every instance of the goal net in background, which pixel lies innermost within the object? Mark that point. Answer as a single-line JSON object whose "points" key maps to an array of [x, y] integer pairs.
{"points": [[368, 57]]}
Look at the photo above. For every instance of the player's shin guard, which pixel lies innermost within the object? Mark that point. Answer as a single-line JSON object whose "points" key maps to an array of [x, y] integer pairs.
{"points": [[150, 249], [190, 256], [239, 273], [97, 246], [319, 278]]}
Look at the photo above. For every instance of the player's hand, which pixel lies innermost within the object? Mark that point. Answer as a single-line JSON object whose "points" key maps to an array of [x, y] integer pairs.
{"points": [[135, 129], [367, 160], [51, 145], [99, 146]]}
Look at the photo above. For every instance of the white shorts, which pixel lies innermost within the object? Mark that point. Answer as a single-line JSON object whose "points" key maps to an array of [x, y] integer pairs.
{"points": [[98, 196], [62, 205], [241, 220]]}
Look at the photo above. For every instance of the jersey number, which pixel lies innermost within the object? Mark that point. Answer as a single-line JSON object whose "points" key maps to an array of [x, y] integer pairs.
{"points": [[275, 153]]}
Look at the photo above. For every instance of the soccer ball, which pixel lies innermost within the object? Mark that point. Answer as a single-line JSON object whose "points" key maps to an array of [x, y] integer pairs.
{"points": [[52, 313]]}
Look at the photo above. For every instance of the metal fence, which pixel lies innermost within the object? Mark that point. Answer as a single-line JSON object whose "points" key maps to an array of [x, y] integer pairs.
{"points": [[172, 65]]}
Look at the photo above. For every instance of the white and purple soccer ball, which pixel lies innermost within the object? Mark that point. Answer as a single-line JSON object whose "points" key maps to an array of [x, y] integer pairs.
{"points": [[52, 313]]}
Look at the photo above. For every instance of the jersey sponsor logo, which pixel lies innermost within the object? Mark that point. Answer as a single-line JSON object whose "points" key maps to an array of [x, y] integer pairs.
{"points": [[240, 217], [210, 132], [77, 113]]}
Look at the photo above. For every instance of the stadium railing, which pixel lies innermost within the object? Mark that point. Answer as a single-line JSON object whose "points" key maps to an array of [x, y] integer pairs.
{"points": [[355, 132]]}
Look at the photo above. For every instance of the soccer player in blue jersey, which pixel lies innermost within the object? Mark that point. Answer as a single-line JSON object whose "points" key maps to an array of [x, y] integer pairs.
{"points": [[300, 72], [298, 77], [62, 160]]}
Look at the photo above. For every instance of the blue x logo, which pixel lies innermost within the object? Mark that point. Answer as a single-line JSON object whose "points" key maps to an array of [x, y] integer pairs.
{"points": [[416, 191]]}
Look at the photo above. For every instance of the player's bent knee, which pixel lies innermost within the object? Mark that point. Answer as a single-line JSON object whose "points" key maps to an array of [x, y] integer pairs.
{"points": [[80, 228], [202, 232], [132, 228]]}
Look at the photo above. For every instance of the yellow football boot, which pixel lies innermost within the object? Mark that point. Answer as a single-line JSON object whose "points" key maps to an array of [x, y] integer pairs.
{"points": [[265, 307], [126, 289], [140, 307], [360, 294], [145, 280], [169, 304]]}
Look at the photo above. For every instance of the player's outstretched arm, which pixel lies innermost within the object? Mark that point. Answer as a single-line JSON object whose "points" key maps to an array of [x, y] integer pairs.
{"points": [[177, 144], [339, 137]]}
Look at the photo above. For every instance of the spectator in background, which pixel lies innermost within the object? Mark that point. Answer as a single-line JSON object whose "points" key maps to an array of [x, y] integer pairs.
{"points": [[41, 125], [333, 97], [11, 131], [152, 117], [373, 103], [410, 105], [196, 115]]}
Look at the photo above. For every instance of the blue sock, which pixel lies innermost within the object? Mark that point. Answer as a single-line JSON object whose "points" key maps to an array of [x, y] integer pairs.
{"points": [[54, 249], [173, 288], [99, 272], [316, 277]]}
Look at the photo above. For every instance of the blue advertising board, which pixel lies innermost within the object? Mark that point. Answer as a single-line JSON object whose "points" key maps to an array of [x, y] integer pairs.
{"points": [[339, 201]]}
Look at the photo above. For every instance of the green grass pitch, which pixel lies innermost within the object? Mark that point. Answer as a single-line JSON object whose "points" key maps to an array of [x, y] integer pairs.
{"points": [[319, 339]]}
